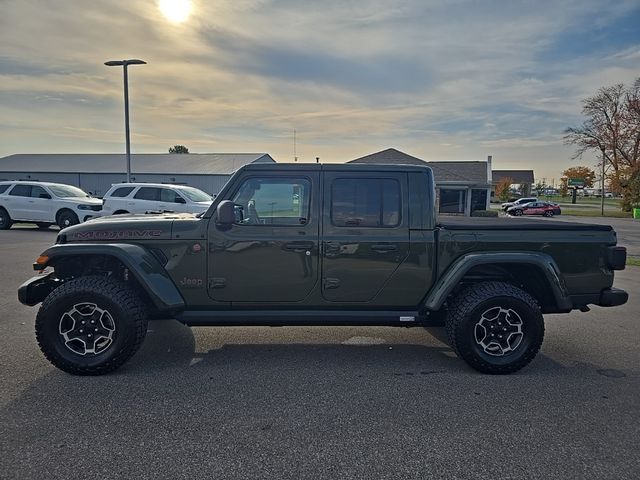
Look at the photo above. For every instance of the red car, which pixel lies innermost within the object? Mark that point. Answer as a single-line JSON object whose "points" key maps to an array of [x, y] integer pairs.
{"points": [[535, 208]]}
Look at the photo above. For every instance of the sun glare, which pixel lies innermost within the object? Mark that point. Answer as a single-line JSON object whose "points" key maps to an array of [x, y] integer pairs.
{"points": [[175, 10]]}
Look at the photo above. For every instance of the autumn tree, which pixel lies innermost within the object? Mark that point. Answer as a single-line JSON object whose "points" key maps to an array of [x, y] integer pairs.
{"points": [[178, 149], [503, 188], [611, 130]]}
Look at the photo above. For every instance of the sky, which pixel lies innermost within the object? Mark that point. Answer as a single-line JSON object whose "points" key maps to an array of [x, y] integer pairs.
{"points": [[440, 80]]}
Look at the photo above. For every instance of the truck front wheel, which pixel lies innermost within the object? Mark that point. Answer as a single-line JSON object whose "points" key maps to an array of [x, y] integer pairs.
{"points": [[495, 327], [90, 325]]}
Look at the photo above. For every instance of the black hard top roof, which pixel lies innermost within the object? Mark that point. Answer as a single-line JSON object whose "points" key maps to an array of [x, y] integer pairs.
{"points": [[335, 167]]}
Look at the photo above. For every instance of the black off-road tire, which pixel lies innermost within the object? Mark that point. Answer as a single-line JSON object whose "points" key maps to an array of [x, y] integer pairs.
{"points": [[5, 220], [66, 218], [122, 304], [466, 311], [43, 226]]}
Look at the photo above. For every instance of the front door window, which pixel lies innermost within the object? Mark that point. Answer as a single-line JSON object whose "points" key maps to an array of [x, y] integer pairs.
{"points": [[273, 201]]}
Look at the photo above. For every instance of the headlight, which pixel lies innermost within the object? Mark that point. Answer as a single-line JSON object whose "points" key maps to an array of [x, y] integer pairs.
{"points": [[95, 208]]}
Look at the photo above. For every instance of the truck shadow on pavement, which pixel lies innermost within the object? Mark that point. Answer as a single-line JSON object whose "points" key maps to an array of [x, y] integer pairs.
{"points": [[390, 351]]}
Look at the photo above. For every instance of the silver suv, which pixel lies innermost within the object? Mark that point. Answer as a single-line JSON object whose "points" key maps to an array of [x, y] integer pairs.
{"points": [[521, 201]]}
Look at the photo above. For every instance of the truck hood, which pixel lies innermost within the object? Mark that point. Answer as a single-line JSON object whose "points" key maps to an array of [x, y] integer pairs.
{"points": [[126, 228]]}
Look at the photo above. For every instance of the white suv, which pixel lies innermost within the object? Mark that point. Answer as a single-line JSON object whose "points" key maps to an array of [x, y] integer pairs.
{"points": [[45, 204], [154, 197]]}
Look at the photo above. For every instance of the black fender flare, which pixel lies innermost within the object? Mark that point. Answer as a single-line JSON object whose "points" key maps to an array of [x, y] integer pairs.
{"points": [[141, 263], [453, 275]]}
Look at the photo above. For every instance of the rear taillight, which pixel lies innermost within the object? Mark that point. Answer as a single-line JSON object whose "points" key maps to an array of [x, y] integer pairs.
{"points": [[617, 258]]}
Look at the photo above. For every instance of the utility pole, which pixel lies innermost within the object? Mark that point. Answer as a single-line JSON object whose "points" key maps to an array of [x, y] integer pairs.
{"points": [[602, 185], [124, 64]]}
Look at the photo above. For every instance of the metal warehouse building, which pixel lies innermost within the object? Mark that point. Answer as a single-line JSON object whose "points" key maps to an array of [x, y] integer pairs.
{"points": [[95, 173]]}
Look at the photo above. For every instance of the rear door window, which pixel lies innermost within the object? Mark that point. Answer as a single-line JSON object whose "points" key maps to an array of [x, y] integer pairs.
{"points": [[21, 191], [122, 192], [3, 188], [365, 202], [148, 193]]}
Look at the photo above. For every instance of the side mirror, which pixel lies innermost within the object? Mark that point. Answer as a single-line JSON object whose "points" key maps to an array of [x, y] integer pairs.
{"points": [[226, 212], [180, 199], [45, 195]]}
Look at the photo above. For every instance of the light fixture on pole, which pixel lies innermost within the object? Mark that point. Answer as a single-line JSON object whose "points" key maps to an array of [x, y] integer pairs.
{"points": [[124, 64]]}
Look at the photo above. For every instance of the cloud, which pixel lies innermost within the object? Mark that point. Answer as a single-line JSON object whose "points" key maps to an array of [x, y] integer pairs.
{"points": [[442, 79]]}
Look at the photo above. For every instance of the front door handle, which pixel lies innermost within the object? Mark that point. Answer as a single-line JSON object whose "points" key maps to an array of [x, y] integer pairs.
{"points": [[299, 246], [384, 247]]}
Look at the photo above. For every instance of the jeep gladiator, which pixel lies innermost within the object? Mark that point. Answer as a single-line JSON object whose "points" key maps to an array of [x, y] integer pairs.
{"points": [[319, 245]]}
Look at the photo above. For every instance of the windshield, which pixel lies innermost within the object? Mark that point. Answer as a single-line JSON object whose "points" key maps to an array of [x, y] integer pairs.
{"points": [[65, 191], [194, 194]]}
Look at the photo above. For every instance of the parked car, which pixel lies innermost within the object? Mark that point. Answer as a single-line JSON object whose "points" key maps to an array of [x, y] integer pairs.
{"points": [[45, 204], [521, 201], [125, 198], [546, 209]]}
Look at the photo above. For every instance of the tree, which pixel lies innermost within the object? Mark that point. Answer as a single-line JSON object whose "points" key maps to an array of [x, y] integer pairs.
{"points": [[612, 131], [503, 188], [178, 149]]}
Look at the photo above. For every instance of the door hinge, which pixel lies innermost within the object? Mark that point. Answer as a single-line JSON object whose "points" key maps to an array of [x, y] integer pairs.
{"points": [[217, 282]]}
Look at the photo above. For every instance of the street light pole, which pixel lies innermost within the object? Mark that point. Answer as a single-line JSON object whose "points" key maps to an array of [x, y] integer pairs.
{"points": [[124, 64]]}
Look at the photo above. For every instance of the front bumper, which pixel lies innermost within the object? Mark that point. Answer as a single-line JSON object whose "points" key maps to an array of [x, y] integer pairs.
{"points": [[36, 289]]}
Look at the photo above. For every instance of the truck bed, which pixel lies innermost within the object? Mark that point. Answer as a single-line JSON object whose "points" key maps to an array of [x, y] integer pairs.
{"points": [[511, 223]]}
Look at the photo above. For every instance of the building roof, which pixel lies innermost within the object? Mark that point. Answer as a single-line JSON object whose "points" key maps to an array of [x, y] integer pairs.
{"points": [[390, 156], [518, 176], [463, 171], [141, 163]]}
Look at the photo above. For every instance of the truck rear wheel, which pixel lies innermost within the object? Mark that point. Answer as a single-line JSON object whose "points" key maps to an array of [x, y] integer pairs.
{"points": [[495, 327], [90, 325]]}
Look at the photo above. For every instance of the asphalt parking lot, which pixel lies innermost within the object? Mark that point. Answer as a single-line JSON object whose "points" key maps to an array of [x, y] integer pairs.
{"points": [[361, 403]]}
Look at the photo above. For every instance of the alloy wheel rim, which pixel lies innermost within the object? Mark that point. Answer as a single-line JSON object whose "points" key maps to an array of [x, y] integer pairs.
{"points": [[87, 329], [499, 331]]}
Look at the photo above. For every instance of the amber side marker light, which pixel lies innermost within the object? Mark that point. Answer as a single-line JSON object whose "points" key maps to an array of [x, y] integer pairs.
{"points": [[41, 262]]}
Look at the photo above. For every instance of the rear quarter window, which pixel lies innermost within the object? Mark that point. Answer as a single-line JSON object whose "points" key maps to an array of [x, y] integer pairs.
{"points": [[3, 188]]}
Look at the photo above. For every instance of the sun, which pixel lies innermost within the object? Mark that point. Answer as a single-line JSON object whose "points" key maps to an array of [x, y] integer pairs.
{"points": [[175, 10]]}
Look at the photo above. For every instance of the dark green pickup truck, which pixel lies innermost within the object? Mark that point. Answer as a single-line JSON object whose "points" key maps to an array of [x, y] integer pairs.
{"points": [[319, 245]]}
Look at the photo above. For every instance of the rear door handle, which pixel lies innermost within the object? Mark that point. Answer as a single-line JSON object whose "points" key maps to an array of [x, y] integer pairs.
{"points": [[384, 247], [299, 245]]}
